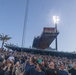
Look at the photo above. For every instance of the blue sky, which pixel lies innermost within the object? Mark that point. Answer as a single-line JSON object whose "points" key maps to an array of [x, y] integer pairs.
{"points": [[40, 15]]}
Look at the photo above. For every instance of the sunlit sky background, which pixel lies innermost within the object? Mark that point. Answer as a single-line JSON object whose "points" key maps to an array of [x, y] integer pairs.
{"points": [[40, 15]]}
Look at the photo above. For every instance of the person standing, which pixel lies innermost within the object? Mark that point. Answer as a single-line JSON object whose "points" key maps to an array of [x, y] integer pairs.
{"points": [[31, 67], [1, 67], [73, 70], [51, 69], [38, 70], [62, 71]]}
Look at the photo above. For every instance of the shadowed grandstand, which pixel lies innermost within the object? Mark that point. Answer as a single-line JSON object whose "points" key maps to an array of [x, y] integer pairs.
{"points": [[43, 52], [47, 37]]}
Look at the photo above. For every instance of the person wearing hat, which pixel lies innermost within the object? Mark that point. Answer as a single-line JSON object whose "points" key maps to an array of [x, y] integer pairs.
{"points": [[43, 67], [38, 68]]}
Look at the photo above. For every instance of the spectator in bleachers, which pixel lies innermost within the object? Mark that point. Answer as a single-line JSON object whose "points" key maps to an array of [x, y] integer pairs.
{"points": [[73, 70], [62, 70], [31, 67], [52, 70], [38, 70]]}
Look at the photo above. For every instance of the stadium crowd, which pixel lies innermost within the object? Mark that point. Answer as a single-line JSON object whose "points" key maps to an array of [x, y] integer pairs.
{"points": [[17, 63]]}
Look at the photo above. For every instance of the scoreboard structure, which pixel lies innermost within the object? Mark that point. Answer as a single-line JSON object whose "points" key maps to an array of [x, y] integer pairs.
{"points": [[46, 38]]}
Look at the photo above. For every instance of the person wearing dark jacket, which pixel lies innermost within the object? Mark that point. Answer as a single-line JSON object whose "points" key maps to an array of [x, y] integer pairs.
{"points": [[39, 70], [43, 68], [1, 70], [1, 67], [62, 71], [31, 67], [52, 70], [73, 70]]}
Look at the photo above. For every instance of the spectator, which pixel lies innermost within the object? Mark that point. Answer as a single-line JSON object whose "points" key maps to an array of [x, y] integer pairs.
{"points": [[52, 70], [31, 68], [73, 70], [62, 71], [38, 70], [43, 66], [1, 67]]}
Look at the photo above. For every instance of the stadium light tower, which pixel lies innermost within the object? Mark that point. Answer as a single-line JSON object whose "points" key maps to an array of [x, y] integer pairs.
{"points": [[56, 20], [25, 24]]}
